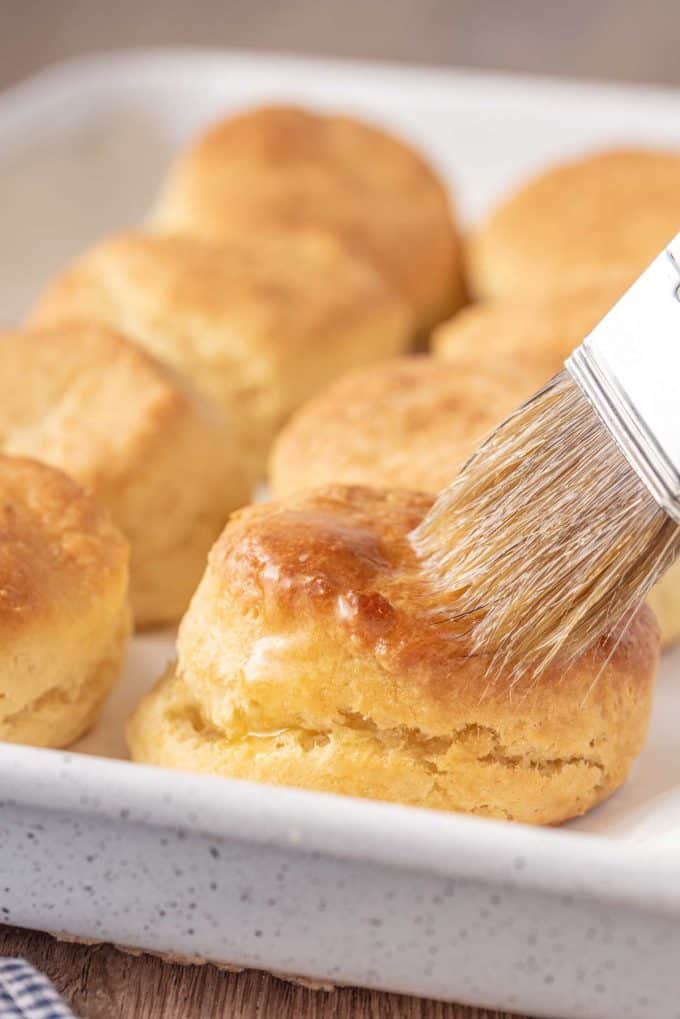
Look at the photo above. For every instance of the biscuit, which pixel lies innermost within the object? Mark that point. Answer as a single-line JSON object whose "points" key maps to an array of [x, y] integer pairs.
{"points": [[308, 658], [257, 324], [608, 211], [83, 399], [64, 616], [292, 168]]}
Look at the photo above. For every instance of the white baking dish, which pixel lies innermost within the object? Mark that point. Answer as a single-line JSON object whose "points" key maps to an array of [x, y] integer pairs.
{"points": [[582, 921]]}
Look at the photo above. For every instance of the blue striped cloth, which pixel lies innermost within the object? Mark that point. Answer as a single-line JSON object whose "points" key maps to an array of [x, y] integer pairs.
{"points": [[27, 994]]}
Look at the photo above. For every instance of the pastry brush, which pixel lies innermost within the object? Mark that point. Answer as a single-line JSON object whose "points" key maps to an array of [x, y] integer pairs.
{"points": [[561, 522]]}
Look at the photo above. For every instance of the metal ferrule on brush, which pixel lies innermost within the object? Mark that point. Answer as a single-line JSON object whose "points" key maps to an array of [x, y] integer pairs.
{"points": [[629, 370]]}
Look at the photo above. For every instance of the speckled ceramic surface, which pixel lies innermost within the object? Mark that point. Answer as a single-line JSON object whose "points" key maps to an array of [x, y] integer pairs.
{"points": [[578, 922]]}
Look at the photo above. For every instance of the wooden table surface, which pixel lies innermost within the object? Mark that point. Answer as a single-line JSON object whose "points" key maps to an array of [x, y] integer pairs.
{"points": [[601, 39], [101, 982]]}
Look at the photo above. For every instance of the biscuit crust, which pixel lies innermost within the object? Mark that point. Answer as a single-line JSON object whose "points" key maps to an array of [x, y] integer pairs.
{"points": [[409, 422], [308, 658]]}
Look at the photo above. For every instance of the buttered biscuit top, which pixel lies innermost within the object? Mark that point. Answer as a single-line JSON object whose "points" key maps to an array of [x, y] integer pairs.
{"points": [[308, 658]]}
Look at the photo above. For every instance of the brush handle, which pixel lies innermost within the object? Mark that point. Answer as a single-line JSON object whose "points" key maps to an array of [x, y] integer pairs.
{"points": [[629, 370]]}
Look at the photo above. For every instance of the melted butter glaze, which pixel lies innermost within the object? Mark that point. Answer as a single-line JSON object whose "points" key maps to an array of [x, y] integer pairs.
{"points": [[342, 553]]}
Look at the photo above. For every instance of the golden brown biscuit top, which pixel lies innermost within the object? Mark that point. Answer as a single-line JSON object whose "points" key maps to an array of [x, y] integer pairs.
{"points": [[57, 547], [285, 168], [406, 422], [271, 293], [284, 136], [613, 210], [302, 545], [339, 559], [351, 155]]}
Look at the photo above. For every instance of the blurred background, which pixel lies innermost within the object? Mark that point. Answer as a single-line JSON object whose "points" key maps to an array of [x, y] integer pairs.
{"points": [[628, 40], [71, 180]]}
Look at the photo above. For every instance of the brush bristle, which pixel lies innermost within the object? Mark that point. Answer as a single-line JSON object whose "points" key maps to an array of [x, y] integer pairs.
{"points": [[547, 539]]}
